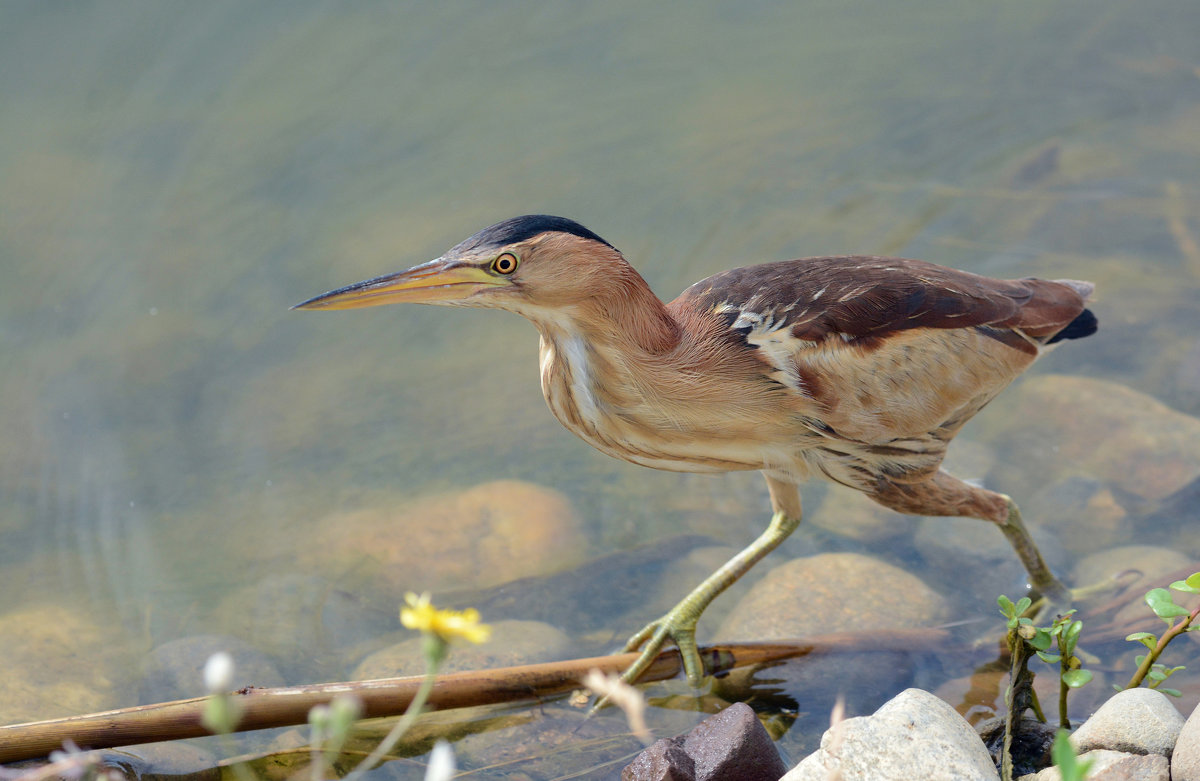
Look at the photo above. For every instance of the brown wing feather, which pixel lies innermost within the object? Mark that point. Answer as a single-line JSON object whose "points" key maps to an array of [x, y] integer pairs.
{"points": [[863, 296]]}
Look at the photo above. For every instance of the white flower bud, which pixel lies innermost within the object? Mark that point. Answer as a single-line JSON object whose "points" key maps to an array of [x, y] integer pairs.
{"points": [[218, 673]]}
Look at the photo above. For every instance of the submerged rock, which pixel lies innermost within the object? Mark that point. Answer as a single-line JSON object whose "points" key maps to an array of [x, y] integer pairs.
{"points": [[512, 643], [831, 592], [489, 534], [56, 662]]}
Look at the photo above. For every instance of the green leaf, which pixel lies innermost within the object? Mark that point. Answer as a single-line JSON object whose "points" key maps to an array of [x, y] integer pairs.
{"points": [[1160, 601], [1171, 692], [1023, 604], [1048, 658], [1184, 586], [1156, 675], [1076, 678], [1145, 638], [1007, 608], [1193, 580], [1041, 640]]}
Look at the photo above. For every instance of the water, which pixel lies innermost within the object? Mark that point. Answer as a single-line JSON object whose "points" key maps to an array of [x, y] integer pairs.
{"points": [[173, 178]]}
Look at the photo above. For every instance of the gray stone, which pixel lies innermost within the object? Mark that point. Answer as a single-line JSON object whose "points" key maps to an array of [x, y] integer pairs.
{"points": [[1185, 762], [1114, 766], [733, 746], [665, 760], [729, 746], [1136, 721], [175, 669], [915, 735]]}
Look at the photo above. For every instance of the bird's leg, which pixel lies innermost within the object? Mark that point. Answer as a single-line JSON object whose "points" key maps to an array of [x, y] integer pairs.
{"points": [[1041, 579], [679, 625]]}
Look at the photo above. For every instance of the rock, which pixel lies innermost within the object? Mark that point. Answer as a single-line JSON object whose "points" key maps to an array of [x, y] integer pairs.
{"points": [[305, 623], [1031, 742], [1059, 425], [486, 535], [164, 761], [1136, 721], [175, 670], [729, 746], [733, 746], [831, 592], [512, 643], [57, 662], [966, 550], [1113, 766], [1152, 564], [914, 735], [854, 515], [1185, 762], [1084, 512], [664, 760]]}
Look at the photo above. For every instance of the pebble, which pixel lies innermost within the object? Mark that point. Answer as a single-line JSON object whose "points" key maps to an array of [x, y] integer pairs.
{"points": [[1185, 761], [729, 746], [479, 537], [1109, 765], [1136, 721], [914, 735], [512, 643], [822, 594]]}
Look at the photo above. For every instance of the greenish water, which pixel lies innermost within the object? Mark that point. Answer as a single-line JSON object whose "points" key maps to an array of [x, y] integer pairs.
{"points": [[174, 177]]}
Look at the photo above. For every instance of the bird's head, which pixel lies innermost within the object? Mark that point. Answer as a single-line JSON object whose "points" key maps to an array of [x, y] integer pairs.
{"points": [[531, 264]]}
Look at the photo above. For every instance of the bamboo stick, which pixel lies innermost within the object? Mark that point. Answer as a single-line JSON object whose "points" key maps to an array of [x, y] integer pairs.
{"points": [[289, 705]]}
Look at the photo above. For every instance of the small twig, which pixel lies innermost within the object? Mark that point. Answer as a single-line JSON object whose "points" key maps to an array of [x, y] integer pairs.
{"points": [[1152, 655]]}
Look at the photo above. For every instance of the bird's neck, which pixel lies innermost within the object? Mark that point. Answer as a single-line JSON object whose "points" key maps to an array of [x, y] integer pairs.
{"points": [[620, 313]]}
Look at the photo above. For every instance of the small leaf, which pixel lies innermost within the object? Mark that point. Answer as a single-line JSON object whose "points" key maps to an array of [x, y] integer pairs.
{"points": [[1023, 604], [1048, 658], [1171, 692], [1156, 675], [1184, 586], [1160, 601], [1041, 640], [1145, 638], [1076, 678], [1193, 580], [1007, 608]]}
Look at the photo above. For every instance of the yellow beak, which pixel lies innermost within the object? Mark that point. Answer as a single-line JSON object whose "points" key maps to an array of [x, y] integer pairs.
{"points": [[429, 283]]}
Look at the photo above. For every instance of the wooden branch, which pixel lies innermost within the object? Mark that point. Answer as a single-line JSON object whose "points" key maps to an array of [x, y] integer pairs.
{"points": [[289, 705]]}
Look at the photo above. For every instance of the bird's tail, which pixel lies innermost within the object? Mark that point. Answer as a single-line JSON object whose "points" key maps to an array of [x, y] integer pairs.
{"points": [[1085, 322]]}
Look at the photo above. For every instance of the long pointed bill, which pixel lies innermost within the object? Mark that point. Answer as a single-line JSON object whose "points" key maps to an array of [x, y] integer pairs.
{"points": [[429, 283]]}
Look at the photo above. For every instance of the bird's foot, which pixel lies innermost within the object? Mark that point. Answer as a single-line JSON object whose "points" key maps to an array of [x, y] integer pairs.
{"points": [[678, 626]]}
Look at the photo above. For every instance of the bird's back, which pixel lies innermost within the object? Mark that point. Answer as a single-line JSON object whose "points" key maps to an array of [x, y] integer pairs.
{"points": [[884, 359]]}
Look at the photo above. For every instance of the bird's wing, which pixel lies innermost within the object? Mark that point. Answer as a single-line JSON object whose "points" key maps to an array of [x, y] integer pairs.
{"points": [[858, 297]]}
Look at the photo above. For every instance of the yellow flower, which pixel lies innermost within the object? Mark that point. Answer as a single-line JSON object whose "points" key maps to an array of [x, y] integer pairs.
{"points": [[448, 625]]}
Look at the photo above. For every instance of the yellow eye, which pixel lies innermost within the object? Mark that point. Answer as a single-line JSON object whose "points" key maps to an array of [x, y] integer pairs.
{"points": [[506, 263]]}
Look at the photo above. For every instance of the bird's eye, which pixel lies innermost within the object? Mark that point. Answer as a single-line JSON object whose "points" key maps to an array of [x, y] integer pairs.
{"points": [[506, 263]]}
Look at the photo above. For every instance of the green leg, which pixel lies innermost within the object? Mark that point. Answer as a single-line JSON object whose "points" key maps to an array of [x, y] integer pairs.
{"points": [[679, 625], [1041, 578]]}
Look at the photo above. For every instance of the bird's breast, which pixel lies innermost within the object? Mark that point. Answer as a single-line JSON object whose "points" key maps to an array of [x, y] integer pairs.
{"points": [[654, 415]]}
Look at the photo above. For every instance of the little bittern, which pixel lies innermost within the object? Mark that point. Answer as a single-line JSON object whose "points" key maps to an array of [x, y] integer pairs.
{"points": [[856, 369]]}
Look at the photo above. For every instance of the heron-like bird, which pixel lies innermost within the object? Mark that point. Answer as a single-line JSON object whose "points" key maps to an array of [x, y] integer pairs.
{"points": [[855, 369]]}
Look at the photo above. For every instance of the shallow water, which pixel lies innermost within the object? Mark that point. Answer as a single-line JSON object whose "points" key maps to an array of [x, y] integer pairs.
{"points": [[173, 178]]}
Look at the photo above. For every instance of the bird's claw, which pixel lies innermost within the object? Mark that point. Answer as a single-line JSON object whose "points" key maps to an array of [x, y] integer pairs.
{"points": [[679, 626]]}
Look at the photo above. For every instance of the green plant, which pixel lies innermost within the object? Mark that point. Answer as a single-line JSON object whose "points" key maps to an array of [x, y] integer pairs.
{"points": [[1024, 641], [1062, 754], [1164, 606]]}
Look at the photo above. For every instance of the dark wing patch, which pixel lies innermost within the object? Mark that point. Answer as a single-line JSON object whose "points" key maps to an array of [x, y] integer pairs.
{"points": [[859, 297]]}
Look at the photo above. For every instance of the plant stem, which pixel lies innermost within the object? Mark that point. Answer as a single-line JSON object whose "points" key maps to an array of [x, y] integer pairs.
{"points": [[1152, 656], [402, 726]]}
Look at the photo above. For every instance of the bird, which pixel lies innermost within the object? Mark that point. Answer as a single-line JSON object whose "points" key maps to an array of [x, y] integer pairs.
{"points": [[855, 369]]}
